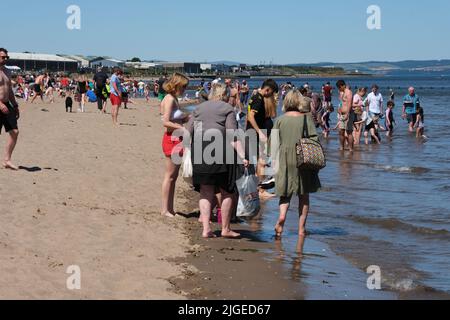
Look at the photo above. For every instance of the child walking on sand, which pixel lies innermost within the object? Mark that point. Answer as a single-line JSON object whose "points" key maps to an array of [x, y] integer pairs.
{"points": [[420, 123]]}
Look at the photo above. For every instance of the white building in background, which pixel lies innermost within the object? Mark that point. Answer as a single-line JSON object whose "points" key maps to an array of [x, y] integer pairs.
{"points": [[206, 66], [83, 62], [41, 62], [143, 65], [106, 63]]}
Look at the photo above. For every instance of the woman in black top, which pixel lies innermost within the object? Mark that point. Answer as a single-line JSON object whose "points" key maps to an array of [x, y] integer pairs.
{"points": [[81, 91]]}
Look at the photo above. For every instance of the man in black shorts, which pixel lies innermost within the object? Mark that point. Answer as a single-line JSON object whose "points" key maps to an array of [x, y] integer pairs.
{"points": [[39, 82], [9, 110]]}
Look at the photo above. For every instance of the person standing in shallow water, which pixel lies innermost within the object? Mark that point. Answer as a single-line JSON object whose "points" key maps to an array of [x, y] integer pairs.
{"points": [[257, 121], [345, 116], [288, 130], [410, 103], [358, 109]]}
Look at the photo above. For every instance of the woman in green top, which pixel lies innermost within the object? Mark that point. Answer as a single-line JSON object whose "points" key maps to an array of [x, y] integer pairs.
{"points": [[288, 130]]}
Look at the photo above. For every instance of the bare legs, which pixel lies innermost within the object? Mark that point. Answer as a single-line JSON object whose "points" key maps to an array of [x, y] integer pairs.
{"points": [[36, 95], [10, 145], [50, 94], [105, 103], [285, 203], [207, 195], [344, 137], [115, 114], [82, 103], [342, 140], [373, 134], [168, 188], [357, 134], [350, 140]]}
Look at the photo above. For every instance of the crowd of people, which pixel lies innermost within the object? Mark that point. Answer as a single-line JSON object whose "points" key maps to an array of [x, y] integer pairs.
{"points": [[224, 104], [83, 90]]}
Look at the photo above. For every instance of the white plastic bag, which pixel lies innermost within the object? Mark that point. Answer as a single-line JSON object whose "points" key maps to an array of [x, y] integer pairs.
{"points": [[187, 170], [249, 203]]}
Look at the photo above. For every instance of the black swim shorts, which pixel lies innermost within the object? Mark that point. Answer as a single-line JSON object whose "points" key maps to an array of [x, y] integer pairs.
{"points": [[9, 121], [37, 89]]}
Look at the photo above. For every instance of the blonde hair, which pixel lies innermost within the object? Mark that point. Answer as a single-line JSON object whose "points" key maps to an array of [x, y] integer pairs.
{"points": [[292, 101], [175, 83], [271, 107], [219, 92], [305, 105]]}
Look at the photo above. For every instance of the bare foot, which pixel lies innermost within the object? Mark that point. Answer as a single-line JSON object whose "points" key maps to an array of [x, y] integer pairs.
{"points": [[264, 195], [168, 215], [209, 235], [230, 235], [10, 166]]}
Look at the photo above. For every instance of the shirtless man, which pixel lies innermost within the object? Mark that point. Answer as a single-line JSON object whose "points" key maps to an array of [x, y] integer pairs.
{"points": [[9, 110], [346, 116], [235, 100], [38, 85]]}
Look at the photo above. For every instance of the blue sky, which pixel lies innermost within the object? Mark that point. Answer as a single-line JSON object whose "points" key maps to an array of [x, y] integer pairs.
{"points": [[288, 31]]}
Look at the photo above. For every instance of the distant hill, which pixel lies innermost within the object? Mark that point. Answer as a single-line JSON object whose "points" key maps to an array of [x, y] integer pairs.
{"points": [[390, 68]]}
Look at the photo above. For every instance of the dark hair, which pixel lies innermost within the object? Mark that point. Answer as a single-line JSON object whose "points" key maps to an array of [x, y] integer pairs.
{"points": [[391, 103], [4, 50], [340, 83], [270, 83], [374, 86], [419, 110], [303, 91]]}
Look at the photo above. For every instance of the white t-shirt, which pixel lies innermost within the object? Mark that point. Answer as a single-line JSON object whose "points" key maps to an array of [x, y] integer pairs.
{"points": [[375, 102], [365, 117]]}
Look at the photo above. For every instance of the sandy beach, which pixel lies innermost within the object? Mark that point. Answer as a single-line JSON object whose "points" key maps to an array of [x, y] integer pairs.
{"points": [[88, 195]]}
